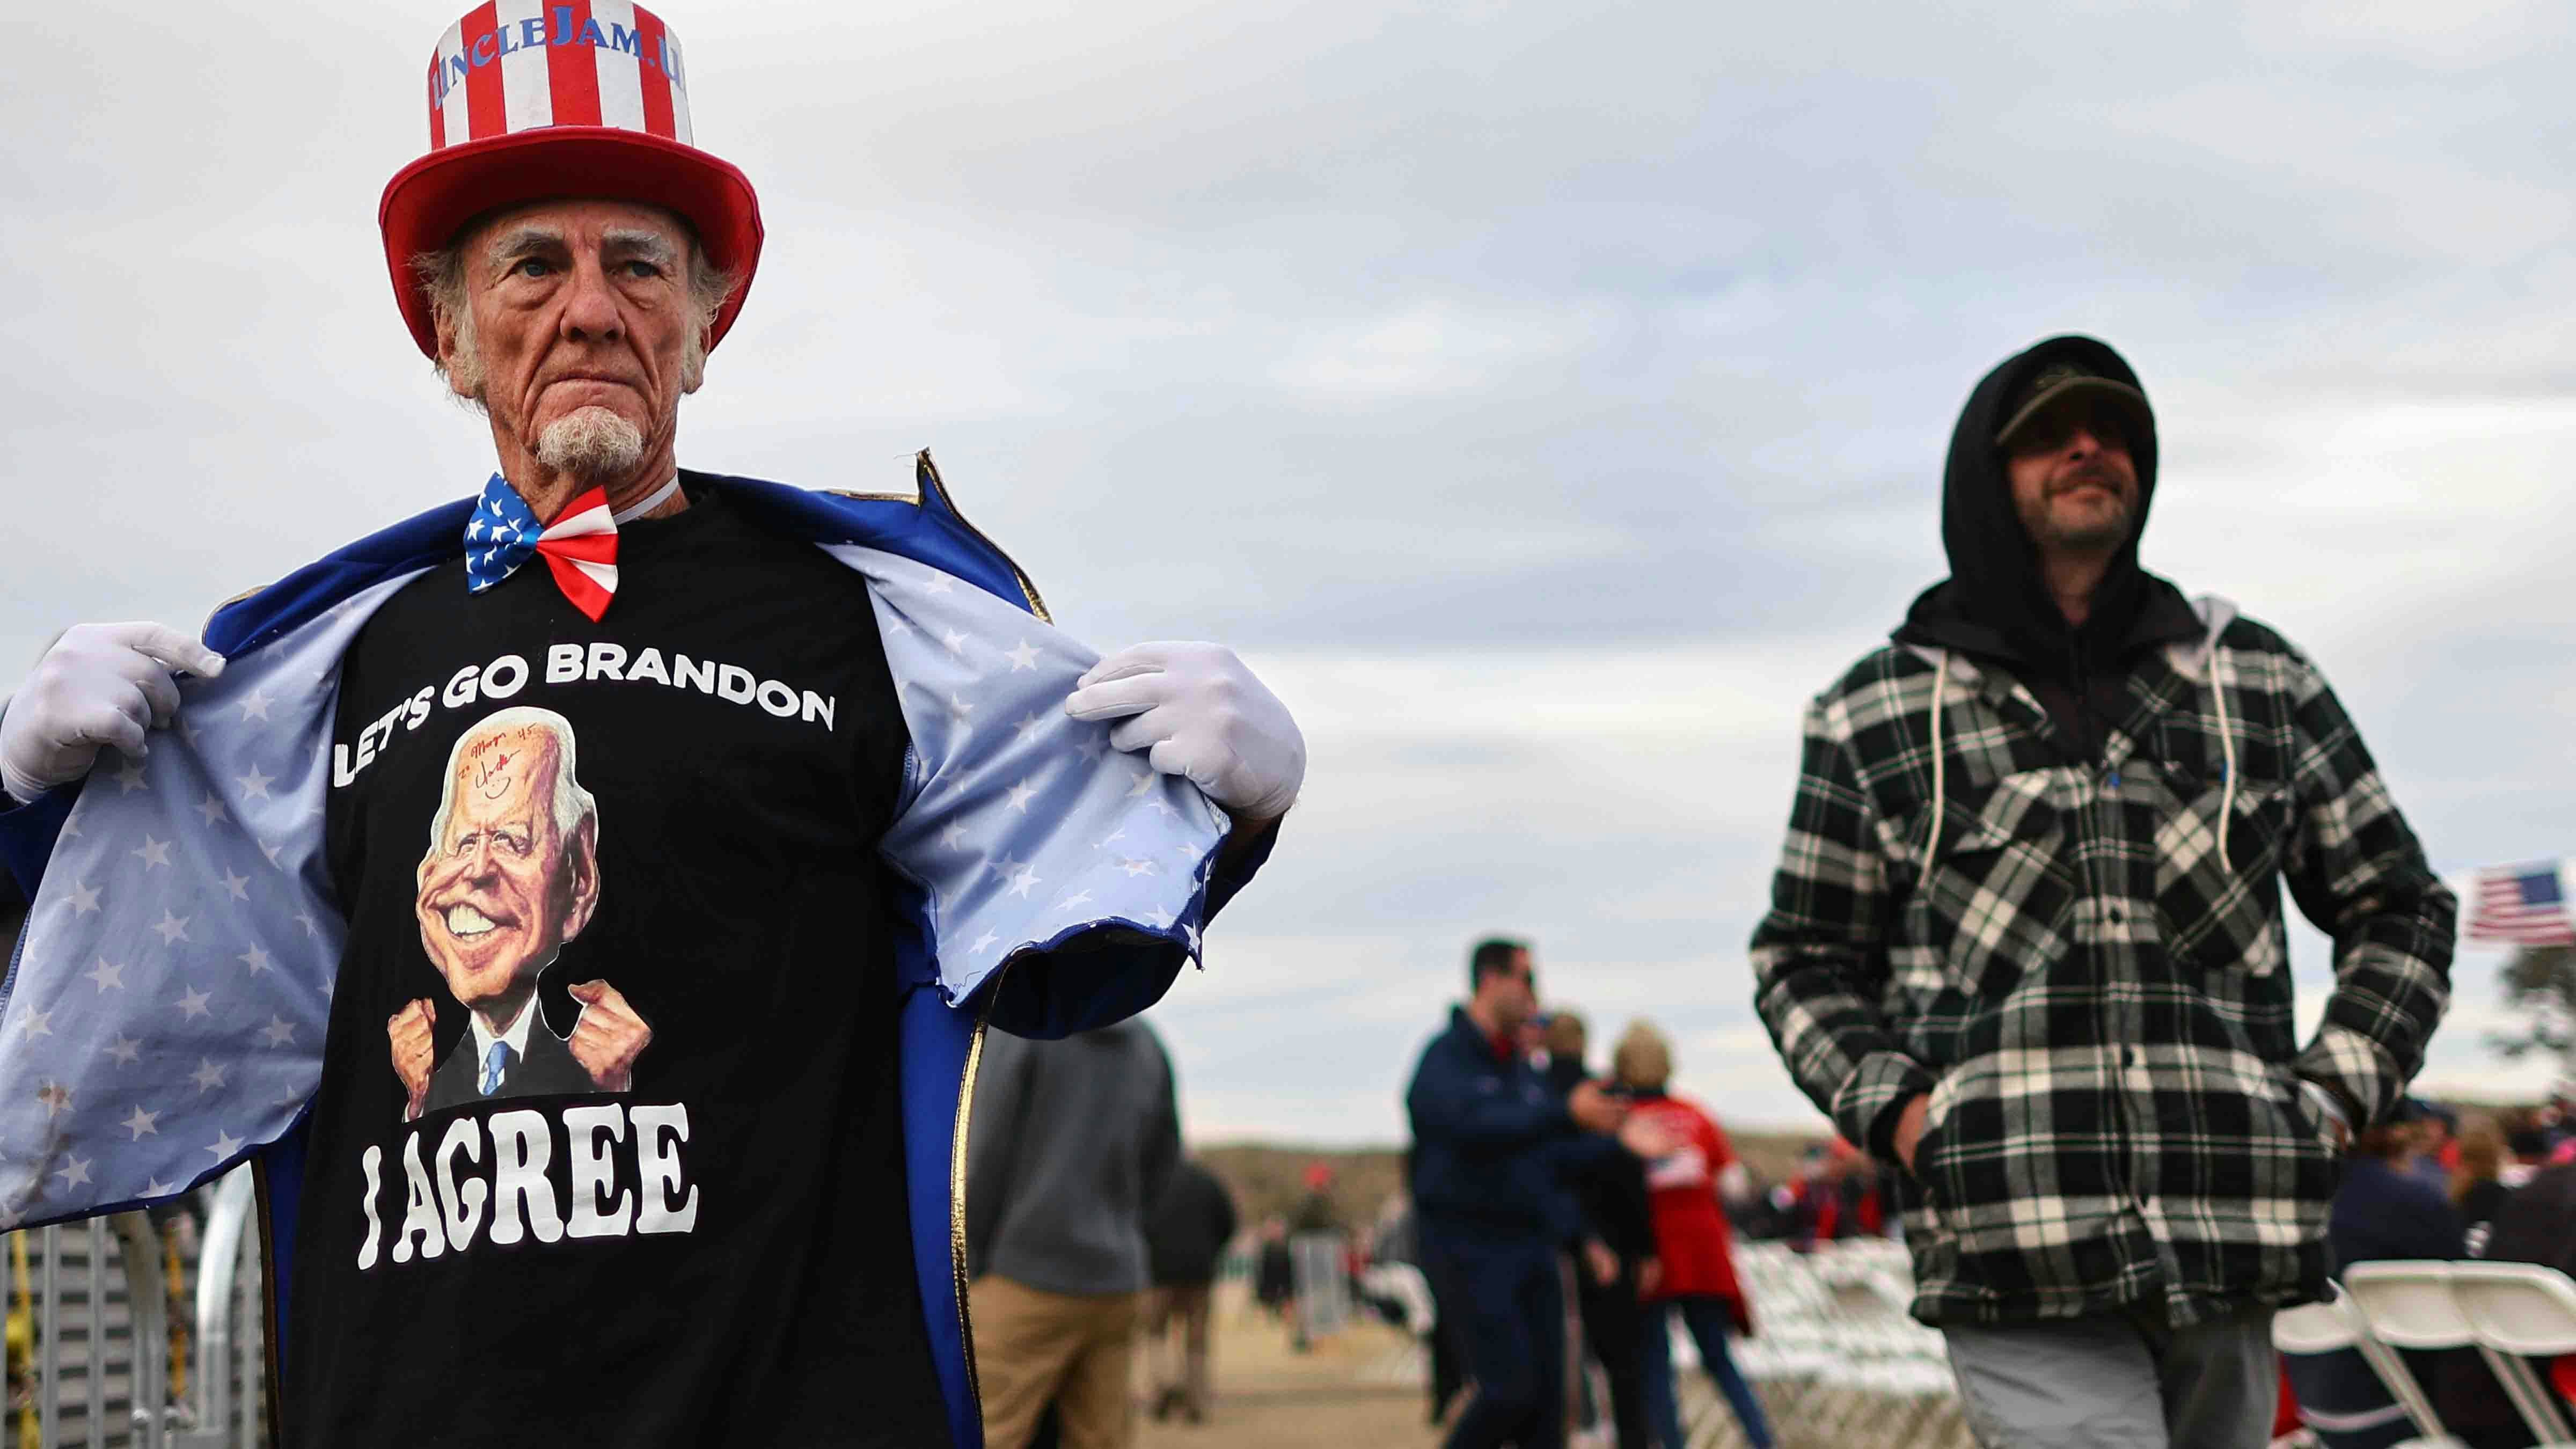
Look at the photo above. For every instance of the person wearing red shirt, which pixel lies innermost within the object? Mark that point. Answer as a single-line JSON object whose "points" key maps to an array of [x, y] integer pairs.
{"points": [[1693, 1273]]}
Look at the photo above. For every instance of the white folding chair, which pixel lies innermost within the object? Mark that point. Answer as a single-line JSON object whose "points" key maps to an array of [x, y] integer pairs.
{"points": [[2407, 1304], [2323, 1328], [2519, 1311], [1793, 1343]]}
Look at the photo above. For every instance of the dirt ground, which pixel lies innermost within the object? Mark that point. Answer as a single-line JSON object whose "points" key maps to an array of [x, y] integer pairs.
{"points": [[1363, 1389], [1352, 1391]]}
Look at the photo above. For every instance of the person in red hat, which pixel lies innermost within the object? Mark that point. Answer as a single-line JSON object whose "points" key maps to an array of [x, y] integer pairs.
{"points": [[843, 800]]}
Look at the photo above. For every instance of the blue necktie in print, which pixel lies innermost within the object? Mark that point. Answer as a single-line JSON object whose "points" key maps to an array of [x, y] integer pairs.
{"points": [[496, 1065]]}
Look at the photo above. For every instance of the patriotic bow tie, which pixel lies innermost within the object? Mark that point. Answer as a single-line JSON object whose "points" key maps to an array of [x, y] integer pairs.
{"points": [[580, 547]]}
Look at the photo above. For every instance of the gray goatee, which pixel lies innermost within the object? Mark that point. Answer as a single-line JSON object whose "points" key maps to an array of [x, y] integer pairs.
{"points": [[594, 444]]}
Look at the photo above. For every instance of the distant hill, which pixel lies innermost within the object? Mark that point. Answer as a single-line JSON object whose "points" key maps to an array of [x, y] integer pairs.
{"points": [[1269, 1178]]}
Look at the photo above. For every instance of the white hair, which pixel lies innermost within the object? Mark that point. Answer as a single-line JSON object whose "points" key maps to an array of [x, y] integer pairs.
{"points": [[441, 274], [571, 805]]}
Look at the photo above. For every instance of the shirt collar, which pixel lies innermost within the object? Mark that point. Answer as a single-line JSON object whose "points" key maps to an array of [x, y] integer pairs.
{"points": [[651, 501], [516, 1035]]}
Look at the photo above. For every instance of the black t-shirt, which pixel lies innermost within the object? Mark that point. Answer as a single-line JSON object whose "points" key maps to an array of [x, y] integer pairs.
{"points": [[606, 1148]]}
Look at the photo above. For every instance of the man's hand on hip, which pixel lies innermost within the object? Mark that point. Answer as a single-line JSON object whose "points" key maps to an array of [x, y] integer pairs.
{"points": [[100, 685], [1199, 713], [1909, 1128]]}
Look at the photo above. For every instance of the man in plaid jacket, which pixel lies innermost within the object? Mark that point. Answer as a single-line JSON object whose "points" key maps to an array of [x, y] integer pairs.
{"points": [[2026, 939]]}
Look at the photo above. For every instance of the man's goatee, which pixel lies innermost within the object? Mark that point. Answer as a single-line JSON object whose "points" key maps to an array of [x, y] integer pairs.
{"points": [[594, 444]]}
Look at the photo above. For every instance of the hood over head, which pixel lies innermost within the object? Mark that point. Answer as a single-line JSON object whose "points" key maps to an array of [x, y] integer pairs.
{"points": [[1996, 602]]}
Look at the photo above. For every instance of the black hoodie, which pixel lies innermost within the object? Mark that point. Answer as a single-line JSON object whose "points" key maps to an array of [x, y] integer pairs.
{"points": [[1995, 606]]}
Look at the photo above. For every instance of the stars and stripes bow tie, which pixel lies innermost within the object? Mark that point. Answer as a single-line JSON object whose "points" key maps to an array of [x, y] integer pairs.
{"points": [[579, 547]]}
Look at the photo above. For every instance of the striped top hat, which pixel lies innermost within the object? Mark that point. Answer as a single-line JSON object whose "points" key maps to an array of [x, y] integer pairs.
{"points": [[530, 100]]}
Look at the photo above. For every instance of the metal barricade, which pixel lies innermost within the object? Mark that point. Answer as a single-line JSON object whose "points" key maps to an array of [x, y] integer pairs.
{"points": [[227, 1398], [1320, 1270], [95, 1335], [90, 1338]]}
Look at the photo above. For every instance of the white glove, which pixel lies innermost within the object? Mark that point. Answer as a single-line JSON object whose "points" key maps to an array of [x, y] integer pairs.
{"points": [[101, 684], [1202, 715]]}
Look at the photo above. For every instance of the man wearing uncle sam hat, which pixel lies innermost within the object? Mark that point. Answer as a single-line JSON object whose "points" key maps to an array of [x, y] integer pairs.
{"points": [[581, 904]]}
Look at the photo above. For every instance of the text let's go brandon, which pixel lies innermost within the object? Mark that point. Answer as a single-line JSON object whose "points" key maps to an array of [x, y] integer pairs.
{"points": [[504, 677]]}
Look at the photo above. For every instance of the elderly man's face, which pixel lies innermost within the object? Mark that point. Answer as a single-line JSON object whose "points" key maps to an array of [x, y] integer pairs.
{"points": [[502, 890], [577, 306]]}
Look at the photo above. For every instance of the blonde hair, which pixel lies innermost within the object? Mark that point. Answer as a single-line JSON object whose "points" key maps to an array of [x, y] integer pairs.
{"points": [[2482, 1156], [1643, 1058]]}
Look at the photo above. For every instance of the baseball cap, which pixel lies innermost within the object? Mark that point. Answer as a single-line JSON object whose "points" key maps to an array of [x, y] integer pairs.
{"points": [[2068, 379]]}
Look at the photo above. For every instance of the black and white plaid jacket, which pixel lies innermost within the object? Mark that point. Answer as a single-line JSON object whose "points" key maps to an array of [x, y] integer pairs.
{"points": [[2090, 979]]}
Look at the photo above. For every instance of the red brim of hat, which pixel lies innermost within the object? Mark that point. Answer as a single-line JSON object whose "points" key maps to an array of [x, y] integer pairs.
{"points": [[428, 200]]}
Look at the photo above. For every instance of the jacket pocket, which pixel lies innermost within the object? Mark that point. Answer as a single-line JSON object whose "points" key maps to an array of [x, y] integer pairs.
{"points": [[2316, 1165], [1994, 1134], [2318, 1132], [1998, 895], [1927, 1145], [2219, 909]]}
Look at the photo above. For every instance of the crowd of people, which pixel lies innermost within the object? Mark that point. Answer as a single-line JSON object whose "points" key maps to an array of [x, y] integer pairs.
{"points": [[2430, 1183], [1568, 1219], [1531, 1174]]}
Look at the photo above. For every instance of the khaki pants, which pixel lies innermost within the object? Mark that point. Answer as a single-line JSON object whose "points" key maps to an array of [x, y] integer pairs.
{"points": [[1033, 1347], [1177, 1348]]}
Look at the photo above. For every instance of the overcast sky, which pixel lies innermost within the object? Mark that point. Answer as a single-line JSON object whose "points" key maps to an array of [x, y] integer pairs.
{"points": [[1545, 398]]}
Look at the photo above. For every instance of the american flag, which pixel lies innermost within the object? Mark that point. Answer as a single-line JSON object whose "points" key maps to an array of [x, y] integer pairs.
{"points": [[2524, 904]]}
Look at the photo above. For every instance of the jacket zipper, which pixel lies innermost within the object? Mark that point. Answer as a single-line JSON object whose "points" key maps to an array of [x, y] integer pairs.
{"points": [[271, 1379], [957, 1187], [929, 472]]}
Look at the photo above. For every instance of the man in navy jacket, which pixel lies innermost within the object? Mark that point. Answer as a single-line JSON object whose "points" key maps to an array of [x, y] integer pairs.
{"points": [[1492, 1147]]}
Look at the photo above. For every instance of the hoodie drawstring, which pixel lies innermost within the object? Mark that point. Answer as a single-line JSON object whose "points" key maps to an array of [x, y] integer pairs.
{"points": [[1940, 797], [2226, 752], [2227, 762]]}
